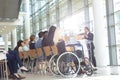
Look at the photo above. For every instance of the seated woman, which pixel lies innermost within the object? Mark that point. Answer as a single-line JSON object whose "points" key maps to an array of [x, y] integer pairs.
{"points": [[32, 42], [32, 46], [13, 62], [26, 45]]}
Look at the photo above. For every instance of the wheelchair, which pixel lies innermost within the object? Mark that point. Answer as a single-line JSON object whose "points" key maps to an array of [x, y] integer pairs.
{"points": [[70, 63]]}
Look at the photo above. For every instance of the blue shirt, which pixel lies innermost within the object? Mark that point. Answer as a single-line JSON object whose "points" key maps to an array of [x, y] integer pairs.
{"points": [[39, 43]]}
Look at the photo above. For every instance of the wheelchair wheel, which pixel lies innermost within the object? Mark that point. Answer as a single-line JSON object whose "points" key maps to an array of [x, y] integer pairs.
{"points": [[88, 67], [53, 65], [68, 64]]}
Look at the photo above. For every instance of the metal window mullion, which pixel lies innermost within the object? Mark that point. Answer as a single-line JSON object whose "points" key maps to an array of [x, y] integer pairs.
{"points": [[86, 13], [57, 13], [111, 32]]}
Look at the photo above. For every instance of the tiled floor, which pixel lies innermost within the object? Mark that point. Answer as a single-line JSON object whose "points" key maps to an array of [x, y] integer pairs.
{"points": [[103, 73]]}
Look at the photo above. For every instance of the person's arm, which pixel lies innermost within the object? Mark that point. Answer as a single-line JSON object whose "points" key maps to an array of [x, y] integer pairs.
{"points": [[89, 36], [20, 49]]}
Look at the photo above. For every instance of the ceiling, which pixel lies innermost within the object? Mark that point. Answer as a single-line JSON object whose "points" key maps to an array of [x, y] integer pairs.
{"points": [[9, 11], [6, 29]]}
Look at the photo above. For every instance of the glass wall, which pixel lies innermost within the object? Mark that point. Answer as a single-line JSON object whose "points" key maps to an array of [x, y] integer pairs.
{"points": [[117, 26], [39, 14], [73, 23]]}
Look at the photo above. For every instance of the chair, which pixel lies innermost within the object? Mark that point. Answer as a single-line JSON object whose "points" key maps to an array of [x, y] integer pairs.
{"points": [[48, 53], [54, 49], [47, 50], [33, 57], [33, 54], [26, 54], [39, 52], [21, 55], [40, 62], [26, 58]]}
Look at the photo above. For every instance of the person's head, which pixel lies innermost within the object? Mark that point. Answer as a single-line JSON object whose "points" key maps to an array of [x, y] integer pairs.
{"points": [[20, 43], [40, 34], [86, 29], [60, 40], [32, 37], [52, 29], [26, 41], [45, 34]]}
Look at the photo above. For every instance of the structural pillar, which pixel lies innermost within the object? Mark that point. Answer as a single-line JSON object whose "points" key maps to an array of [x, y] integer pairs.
{"points": [[100, 34], [57, 14], [86, 13], [69, 2], [40, 18], [27, 20], [48, 14], [6, 42], [13, 38], [111, 32]]}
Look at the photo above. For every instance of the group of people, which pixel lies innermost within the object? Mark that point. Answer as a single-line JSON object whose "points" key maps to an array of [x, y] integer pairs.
{"points": [[45, 39], [14, 61], [88, 36]]}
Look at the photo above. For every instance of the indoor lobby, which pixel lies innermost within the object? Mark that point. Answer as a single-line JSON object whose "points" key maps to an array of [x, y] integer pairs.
{"points": [[72, 21]]}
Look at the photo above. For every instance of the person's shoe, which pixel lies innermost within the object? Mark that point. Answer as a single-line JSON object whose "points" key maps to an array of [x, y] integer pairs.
{"points": [[24, 69], [21, 77], [10, 76], [16, 77], [94, 69]]}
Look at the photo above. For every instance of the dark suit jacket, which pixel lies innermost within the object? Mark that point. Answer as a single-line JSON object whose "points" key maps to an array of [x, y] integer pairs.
{"points": [[90, 38], [49, 40]]}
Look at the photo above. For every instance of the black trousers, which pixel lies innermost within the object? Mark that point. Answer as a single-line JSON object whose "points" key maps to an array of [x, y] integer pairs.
{"points": [[13, 61], [92, 57]]}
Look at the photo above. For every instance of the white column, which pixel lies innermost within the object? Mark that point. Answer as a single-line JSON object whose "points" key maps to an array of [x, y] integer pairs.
{"points": [[100, 34], [6, 42], [13, 39], [27, 20], [57, 14], [69, 7], [40, 18], [48, 14], [86, 13]]}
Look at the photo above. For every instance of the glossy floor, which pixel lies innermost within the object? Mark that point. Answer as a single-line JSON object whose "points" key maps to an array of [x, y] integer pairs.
{"points": [[103, 73]]}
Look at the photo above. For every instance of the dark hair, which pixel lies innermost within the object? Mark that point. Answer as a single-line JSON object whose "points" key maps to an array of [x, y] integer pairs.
{"points": [[45, 32], [40, 34], [52, 29], [32, 37], [87, 28], [18, 44]]}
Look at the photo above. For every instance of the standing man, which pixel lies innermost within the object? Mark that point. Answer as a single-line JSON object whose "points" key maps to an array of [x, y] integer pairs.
{"points": [[89, 36]]}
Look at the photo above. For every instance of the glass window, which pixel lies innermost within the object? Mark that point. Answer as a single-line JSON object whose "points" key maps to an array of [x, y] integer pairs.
{"points": [[116, 5], [74, 23], [63, 8], [117, 26], [77, 5], [117, 17]]}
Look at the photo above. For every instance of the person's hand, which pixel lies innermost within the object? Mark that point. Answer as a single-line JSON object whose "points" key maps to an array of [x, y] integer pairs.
{"points": [[82, 37], [5, 52], [85, 36]]}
